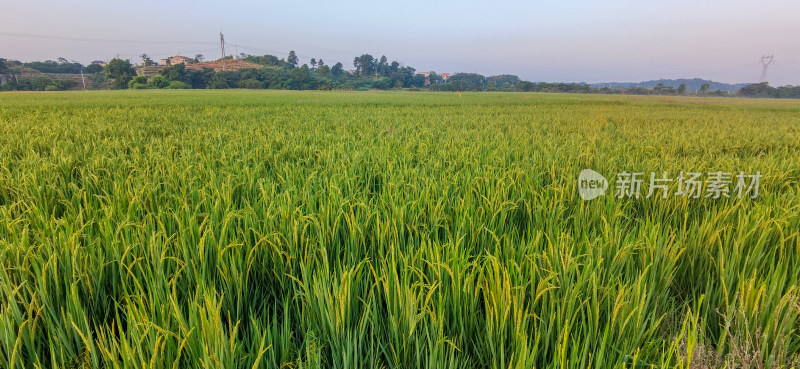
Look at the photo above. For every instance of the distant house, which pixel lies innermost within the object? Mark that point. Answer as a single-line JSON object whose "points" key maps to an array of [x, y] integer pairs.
{"points": [[427, 76], [175, 60], [179, 59], [99, 62], [352, 71]]}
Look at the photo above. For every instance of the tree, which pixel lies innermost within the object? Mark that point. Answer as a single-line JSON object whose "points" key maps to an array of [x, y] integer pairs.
{"points": [[3, 67], [268, 60], [313, 63], [224, 79], [762, 89], [337, 69], [323, 71], [320, 62], [505, 80], [292, 59], [177, 85], [94, 68], [175, 72], [704, 88], [365, 64], [138, 82], [789, 91], [661, 89], [146, 61], [189, 77], [251, 84], [418, 80], [404, 77], [682, 89], [60, 66], [200, 78], [383, 66], [301, 79], [158, 81], [121, 71], [525, 86], [465, 82], [199, 58]]}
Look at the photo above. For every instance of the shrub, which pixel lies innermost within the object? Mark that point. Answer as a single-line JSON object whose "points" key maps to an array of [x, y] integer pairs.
{"points": [[158, 81], [121, 83], [138, 86], [252, 84], [177, 85]]}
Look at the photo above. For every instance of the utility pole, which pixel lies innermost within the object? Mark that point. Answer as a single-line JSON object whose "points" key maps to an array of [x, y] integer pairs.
{"points": [[222, 46], [83, 80], [766, 60]]}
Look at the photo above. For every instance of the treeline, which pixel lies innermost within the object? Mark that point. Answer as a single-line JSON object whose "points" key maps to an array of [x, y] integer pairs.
{"points": [[274, 73], [60, 66], [369, 73], [285, 74], [765, 90], [40, 82]]}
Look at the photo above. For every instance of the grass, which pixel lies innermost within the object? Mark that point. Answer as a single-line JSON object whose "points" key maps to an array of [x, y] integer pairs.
{"points": [[238, 229]]}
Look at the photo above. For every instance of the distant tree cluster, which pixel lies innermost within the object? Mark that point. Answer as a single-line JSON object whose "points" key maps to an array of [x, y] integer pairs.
{"points": [[121, 71], [278, 73], [463, 82], [49, 82], [369, 73], [41, 83], [62, 65], [765, 90], [38, 83]]}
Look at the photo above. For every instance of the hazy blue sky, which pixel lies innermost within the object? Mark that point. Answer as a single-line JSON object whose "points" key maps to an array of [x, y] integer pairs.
{"points": [[592, 41]]}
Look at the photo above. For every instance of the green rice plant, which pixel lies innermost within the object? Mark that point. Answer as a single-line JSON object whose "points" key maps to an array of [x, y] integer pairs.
{"points": [[285, 229]]}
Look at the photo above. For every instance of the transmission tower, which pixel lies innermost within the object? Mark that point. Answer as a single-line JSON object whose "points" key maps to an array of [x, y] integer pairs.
{"points": [[766, 60], [222, 47]]}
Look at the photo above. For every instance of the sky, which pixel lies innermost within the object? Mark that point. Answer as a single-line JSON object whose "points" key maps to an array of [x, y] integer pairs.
{"points": [[552, 41]]}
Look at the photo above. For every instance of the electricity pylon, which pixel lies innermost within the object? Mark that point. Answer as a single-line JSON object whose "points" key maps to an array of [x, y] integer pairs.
{"points": [[766, 60]]}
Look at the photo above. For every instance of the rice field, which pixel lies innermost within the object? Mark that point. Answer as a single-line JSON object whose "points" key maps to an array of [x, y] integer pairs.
{"points": [[267, 229]]}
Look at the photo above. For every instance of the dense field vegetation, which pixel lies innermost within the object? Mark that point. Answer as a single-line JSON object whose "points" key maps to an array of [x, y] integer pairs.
{"points": [[234, 229]]}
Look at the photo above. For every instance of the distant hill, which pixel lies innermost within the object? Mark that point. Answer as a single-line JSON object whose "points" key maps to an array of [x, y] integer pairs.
{"points": [[691, 84], [228, 64]]}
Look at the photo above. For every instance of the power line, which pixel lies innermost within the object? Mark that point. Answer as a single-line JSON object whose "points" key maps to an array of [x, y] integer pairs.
{"points": [[170, 53], [86, 39], [130, 41]]}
